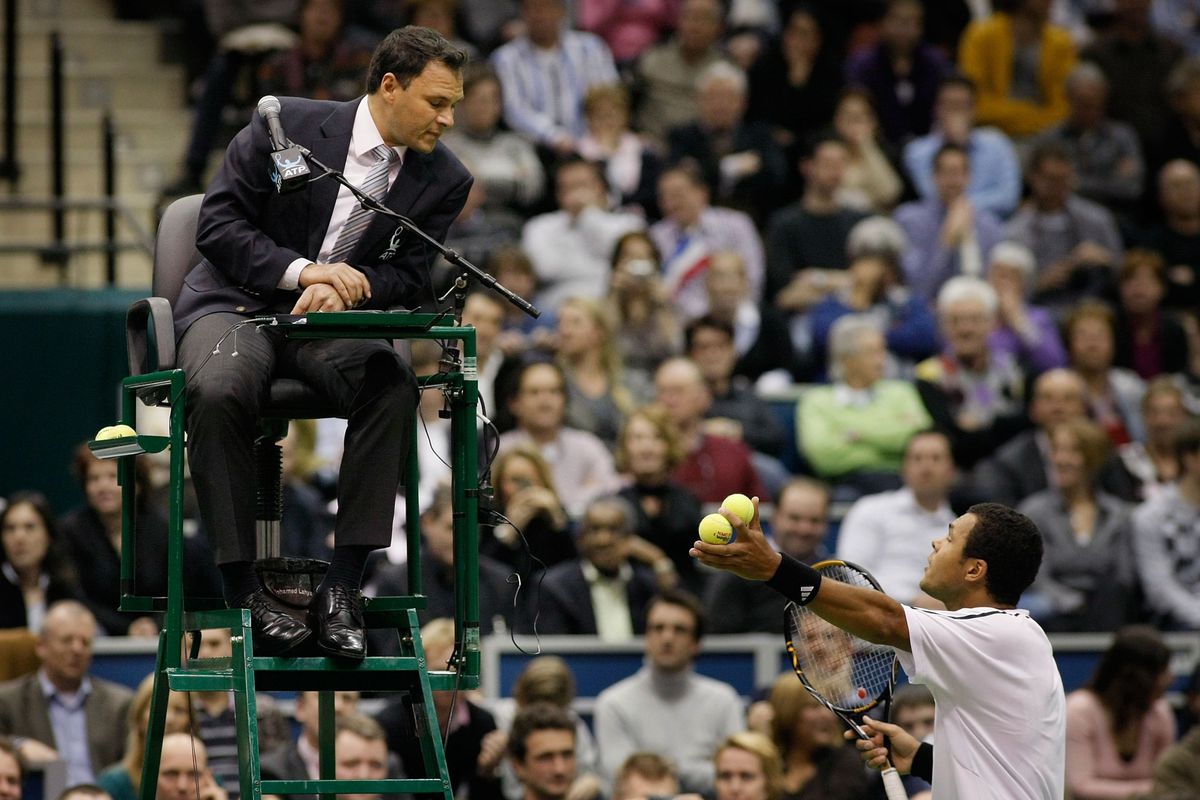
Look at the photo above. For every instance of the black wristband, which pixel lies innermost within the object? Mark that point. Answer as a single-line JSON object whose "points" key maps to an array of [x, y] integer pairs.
{"points": [[922, 763], [795, 580]]}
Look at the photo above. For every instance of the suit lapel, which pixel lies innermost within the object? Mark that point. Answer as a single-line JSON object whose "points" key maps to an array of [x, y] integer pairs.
{"points": [[330, 147], [407, 188], [39, 712]]}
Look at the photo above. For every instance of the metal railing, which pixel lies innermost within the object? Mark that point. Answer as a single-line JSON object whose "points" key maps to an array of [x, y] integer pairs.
{"points": [[58, 251]]}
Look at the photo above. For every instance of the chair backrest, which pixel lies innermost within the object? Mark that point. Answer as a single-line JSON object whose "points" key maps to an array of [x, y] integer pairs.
{"points": [[175, 250], [18, 653]]}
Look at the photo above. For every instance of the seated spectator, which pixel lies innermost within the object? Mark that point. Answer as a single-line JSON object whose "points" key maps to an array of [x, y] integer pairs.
{"points": [[1087, 581], [1020, 63], [691, 230], [709, 343], [503, 161], [748, 767], [183, 771], [361, 753], [307, 523], [10, 771], [713, 466], [798, 527], [1179, 138], [901, 71], [1074, 241], [1106, 152], [665, 513], [871, 182], [794, 83], [520, 332], [545, 679], [599, 392], [542, 752], [1179, 769], [299, 758], [665, 75], [647, 325], [485, 312], [1176, 234], [1119, 725], [325, 63], [545, 73], [975, 395], [995, 183], [495, 593], [570, 248], [1134, 58], [1149, 342], [605, 591], [816, 761], [631, 166], [645, 775], [666, 707], [36, 570], [741, 163], [578, 460], [473, 766], [478, 232], [216, 717], [123, 780], [947, 235], [1152, 465], [92, 535], [65, 649], [806, 241], [914, 710], [1025, 331], [855, 430], [1165, 530], [888, 534], [1114, 394], [760, 332], [876, 288], [535, 523]]}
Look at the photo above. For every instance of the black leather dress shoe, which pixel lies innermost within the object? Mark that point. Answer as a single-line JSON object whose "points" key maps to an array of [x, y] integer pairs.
{"points": [[275, 633], [336, 617]]}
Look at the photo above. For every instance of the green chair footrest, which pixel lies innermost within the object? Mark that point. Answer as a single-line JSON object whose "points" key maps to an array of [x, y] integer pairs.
{"points": [[393, 786]]}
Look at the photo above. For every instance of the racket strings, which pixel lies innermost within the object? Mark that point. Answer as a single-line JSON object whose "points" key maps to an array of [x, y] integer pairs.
{"points": [[849, 672]]}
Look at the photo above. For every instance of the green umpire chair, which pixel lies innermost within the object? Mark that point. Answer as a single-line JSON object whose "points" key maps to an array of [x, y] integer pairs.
{"points": [[155, 380]]}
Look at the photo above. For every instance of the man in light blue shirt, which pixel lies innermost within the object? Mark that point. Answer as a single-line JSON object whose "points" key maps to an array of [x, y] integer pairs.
{"points": [[59, 713], [995, 171]]}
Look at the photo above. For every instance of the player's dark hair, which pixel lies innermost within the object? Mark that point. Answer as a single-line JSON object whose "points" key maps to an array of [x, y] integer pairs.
{"points": [[1010, 544], [533, 718], [405, 52], [910, 695], [957, 79], [1126, 679], [948, 148], [686, 601]]}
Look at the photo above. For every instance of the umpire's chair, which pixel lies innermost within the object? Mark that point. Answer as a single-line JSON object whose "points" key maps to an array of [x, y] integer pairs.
{"points": [[156, 380]]}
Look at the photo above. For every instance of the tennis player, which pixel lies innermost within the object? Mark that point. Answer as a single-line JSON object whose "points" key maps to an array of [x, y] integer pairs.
{"points": [[1000, 722]]}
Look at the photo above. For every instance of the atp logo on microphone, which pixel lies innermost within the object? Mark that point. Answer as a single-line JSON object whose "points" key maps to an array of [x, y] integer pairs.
{"points": [[289, 170]]}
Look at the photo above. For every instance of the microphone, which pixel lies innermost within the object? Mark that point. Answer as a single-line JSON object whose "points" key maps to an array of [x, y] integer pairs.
{"points": [[289, 171]]}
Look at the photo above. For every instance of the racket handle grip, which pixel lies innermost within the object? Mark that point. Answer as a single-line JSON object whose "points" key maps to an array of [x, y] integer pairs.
{"points": [[893, 787]]}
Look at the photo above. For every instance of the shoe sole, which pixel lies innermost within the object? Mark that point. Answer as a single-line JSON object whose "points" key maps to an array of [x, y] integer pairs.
{"points": [[272, 647], [333, 652]]}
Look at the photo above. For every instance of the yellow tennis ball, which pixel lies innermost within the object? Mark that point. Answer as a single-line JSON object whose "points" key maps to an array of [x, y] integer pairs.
{"points": [[740, 505], [106, 433], [123, 431], [715, 529]]}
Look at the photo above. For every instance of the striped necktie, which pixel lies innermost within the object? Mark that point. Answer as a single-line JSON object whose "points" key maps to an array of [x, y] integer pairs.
{"points": [[375, 186]]}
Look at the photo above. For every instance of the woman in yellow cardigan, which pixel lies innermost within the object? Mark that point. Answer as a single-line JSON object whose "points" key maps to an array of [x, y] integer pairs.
{"points": [[1019, 63]]}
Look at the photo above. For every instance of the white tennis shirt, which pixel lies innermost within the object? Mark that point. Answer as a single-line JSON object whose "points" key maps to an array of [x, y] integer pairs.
{"points": [[1001, 720]]}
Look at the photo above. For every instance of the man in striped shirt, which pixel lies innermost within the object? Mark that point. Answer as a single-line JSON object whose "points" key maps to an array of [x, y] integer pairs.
{"points": [[546, 73]]}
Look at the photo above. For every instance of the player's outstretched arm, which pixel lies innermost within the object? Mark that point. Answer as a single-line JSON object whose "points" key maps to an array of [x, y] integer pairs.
{"points": [[865, 613]]}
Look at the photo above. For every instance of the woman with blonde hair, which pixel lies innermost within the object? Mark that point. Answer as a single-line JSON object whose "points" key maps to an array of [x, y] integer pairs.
{"points": [[123, 780], [817, 762], [665, 513], [598, 392], [748, 767]]}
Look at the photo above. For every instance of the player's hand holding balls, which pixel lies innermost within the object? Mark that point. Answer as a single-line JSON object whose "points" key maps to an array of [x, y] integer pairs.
{"points": [[740, 506], [739, 548]]}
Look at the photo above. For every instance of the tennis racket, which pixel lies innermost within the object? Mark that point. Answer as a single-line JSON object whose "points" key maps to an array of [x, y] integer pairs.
{"points": [[847, 675]]}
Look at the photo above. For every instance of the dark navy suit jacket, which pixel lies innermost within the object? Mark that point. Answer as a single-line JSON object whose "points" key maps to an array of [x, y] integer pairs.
{"points": [[249, 235]]}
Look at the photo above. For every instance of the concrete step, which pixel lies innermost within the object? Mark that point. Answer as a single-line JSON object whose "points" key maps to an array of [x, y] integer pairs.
{"points": [[104, 86], [89, 42], [65, 9], [27, 271]]}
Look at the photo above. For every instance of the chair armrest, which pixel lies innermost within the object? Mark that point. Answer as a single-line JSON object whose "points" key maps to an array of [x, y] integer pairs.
{"points": [[150, 335]]}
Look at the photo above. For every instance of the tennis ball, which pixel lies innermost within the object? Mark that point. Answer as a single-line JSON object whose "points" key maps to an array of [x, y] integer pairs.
{"points": [[114, 432], [741, 505], [715, 529], [862, 693]]}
